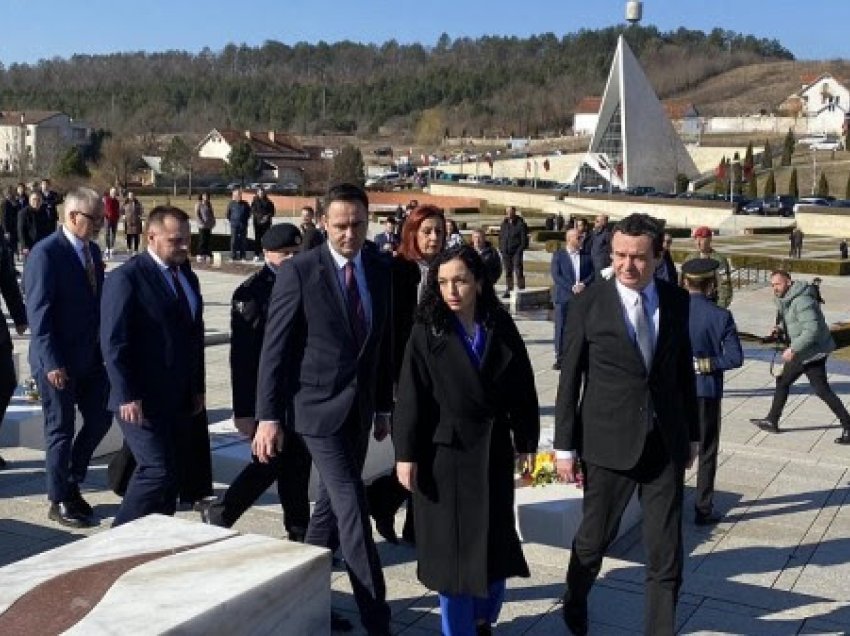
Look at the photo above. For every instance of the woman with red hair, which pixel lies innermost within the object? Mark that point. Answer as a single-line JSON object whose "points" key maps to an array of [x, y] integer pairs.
{"points": [[423, 237]]}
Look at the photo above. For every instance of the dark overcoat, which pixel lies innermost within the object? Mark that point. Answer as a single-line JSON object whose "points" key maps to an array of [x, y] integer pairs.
{"points": [[457, 422]]}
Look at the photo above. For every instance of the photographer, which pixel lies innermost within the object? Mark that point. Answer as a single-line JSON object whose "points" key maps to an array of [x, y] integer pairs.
{"points": [[802, 328]]}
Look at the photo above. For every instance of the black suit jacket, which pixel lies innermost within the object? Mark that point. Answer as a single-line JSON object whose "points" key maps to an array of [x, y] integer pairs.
{"points": [[606, 398], [311, 372], [146, 350]]}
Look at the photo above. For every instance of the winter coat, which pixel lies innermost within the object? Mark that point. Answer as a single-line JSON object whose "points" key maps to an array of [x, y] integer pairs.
{"points": [[802, 320]]}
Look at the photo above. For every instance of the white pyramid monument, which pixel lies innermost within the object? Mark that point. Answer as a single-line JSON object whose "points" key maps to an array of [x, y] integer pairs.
{"points": [[634, 143]]}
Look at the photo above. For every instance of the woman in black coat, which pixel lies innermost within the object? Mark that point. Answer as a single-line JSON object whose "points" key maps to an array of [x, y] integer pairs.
{"points": [[466, 403]]}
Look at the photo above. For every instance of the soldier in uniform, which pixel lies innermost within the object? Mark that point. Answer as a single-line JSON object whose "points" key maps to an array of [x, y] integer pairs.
{"points": [[716, 348], [723, 292], [291, 467]]}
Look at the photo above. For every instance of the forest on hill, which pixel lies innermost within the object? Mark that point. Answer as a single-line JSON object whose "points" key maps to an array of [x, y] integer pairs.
{"points": [[485, 85]]}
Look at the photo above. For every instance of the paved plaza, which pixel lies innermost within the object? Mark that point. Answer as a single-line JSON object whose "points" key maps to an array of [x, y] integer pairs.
{"points": [[779, 563]]}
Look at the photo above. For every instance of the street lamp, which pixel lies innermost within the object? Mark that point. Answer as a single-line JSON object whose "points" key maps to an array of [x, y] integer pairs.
{"points": [[814, 170]]}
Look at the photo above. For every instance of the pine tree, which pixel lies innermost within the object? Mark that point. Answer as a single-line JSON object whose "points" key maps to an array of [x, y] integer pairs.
{"points": [[242, 163], [71, 164], [770, 185], [847, 188], [738, 174], [793, 188], [788, 148], [767, 156], [348, 166], [823, 186], [752, 188]]}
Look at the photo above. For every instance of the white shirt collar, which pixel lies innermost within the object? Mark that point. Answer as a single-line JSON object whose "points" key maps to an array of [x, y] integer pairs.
{"points": [[340, 260], [158, 260], [629, 296], [75, 240]]}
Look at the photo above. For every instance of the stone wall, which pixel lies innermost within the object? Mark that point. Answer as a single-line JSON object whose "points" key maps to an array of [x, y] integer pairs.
{"points": [[819, 220]]}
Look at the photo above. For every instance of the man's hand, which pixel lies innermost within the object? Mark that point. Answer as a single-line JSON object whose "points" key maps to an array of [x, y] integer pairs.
{"points": [[566, 469], [198, 403], [245, 425], [406, 472], [383, 426], [578, 288], [21, 329], [132, 412], [58, 378], [788, 355], [268, 441], [694, 455]]}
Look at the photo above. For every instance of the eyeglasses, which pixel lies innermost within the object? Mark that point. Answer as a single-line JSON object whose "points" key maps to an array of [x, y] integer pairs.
{"points": [[94, 218]]}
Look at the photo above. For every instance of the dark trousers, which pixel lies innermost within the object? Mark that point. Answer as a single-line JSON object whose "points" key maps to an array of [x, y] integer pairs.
{"points": [[154, 485], [341, 518], [513, 263], [816, 372], [291, 470], [111, 231], [68, 456], [260, 230], [13, 242], [8, 380], [133, 242], [709, 443], [204, 234], [238, 239], [660, 486], [560, 312]]}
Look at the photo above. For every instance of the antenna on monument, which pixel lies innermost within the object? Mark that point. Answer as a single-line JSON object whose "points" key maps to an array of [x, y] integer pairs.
{"points": [[634, 12]]}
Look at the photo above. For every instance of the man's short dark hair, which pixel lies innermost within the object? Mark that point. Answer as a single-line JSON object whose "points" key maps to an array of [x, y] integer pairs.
{"points": [[348, 193], [640, 224], [307, 208], [781, 272], [162, 212]]}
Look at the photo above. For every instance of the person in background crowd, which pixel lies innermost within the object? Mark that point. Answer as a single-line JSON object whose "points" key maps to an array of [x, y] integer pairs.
{"points": [[796, 240], [513, 241], [466, 404], [842, 249], [152, 339], [627, 407], [15, 304], [51, 202], [490, 257], [21, 197], [584, 237], [388, 240], [801, 327], [422, 240], [9, 218], [666, 269], [453, 235], [63, 279], [600, 243], [702, 239], [716, 348], [311, 234], [111, 213], [34, 224], [262, 214], [205, 216], [133, 212], [572, 272], [238, 213], [291, 468], [549, 224]]}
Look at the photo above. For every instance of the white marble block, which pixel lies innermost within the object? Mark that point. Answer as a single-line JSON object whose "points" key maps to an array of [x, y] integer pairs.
{"points": [[197, 579], [551, 514]]}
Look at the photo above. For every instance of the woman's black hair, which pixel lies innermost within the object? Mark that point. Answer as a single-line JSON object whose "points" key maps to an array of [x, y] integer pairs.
{"points": [[432, 309]]}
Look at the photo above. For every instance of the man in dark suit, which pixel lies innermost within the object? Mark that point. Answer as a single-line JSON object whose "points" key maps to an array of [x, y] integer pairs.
{"points": [[626, 405], [325, 373], [34, 223], [388, 241], [63, 279], [290, 468], [152, 336], [15, 304], [716, 348], [313, 235], [572, 272]]}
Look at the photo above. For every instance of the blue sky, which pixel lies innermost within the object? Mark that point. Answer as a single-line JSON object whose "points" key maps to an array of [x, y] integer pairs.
{"points": [[36, 29]]}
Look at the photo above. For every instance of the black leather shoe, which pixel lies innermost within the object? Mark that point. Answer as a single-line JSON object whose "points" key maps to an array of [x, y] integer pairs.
{"points": [[296, 534], [340, 623], [205, 508], [2, 463], [483, 629], [701, 519], [507, 294], [575, 616], [386, 528], [556, 366], [67, 514], [75, 498], [845, 437], [766, 425]]}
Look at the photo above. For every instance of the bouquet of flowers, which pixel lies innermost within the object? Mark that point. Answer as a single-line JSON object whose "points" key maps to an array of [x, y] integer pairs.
{"points": [[30, 388], [544, 472]]}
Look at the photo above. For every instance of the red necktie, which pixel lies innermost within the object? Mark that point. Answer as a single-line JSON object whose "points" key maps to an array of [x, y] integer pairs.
{"points": [[355, 305]]}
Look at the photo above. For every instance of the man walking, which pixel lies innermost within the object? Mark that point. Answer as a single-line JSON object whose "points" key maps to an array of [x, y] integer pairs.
{"points": [[808, 342], [325, 373], [572, 272], [716, 348], [626, 406], [237, 215], [262, 213], [513, 240], [63, 279], [152, 336], [600, 243]]}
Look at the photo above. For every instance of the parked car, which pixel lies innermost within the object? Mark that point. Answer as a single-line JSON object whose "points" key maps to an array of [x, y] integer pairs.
{"points": [[754, 207], [840, 203], [828, 144], [779, 205], [383, 181], [639, 191], [811, 201], [383, 151]]}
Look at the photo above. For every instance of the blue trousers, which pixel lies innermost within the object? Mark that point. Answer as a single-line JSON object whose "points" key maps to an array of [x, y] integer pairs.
{"points": [[461, 612]]}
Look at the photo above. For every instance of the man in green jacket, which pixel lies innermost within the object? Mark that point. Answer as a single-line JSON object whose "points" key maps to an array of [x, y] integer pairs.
{"points": [[702, 238], [803, 330]]}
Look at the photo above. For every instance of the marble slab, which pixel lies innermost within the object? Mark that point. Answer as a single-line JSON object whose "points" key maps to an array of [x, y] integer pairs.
{"points": [[551, 514], [191, 579]]}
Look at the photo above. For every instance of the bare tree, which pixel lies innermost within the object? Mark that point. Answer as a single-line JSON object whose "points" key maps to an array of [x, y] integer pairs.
{"points": [[118, 158]]}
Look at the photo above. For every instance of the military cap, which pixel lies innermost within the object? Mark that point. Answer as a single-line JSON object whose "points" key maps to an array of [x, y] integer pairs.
{"points": [[702, 232], [700, 268], [282, 236]]}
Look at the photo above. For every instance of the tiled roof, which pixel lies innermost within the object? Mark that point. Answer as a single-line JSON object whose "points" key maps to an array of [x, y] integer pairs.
{"points": [[13, 117], [589, 105], [267, 144]]}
